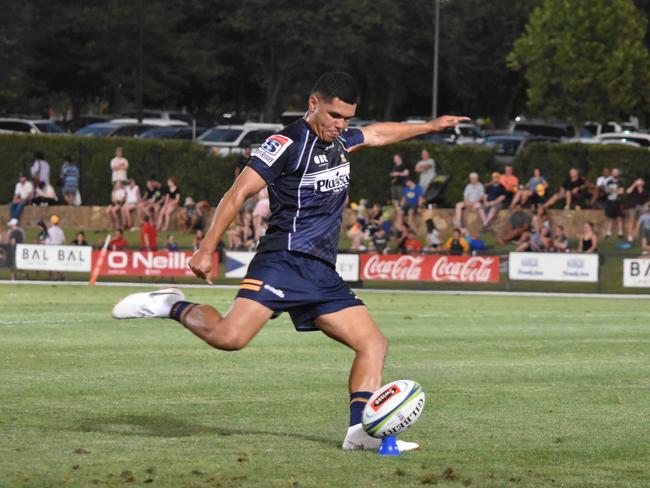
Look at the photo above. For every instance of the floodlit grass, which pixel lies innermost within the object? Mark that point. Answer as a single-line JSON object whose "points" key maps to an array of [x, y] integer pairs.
{"points": [[520, 392]]}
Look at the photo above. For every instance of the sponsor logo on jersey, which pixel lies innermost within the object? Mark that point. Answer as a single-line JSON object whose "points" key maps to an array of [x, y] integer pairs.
{"points": [[333, 180], [275, 291], [384, 396], [320, 159], [272, 148]]}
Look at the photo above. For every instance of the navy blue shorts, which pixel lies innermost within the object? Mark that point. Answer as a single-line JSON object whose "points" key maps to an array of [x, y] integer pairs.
{"points": [[300, 284]]}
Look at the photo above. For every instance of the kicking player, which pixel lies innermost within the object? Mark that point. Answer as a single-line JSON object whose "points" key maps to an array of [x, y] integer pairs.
{"points": [[306, 169]]}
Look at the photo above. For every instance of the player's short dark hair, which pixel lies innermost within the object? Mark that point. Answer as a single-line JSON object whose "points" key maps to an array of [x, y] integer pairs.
{"points": [[337, 84]]}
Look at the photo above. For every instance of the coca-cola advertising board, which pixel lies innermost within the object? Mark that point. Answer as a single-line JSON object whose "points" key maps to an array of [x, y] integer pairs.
{"points": [[148, 263], [451, 269]]}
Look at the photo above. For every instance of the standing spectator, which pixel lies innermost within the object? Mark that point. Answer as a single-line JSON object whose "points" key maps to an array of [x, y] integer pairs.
{"points": [[412, 243], [118, 242], [55, 234], [171, 243], [171, 203], [427, 169], [196, 242], [535, 190], [599, 196], [411, 201], [22, 196], [148, 235], [472, 197], [573, 189], [119, 167], [636, 198], [243, 160], [456, 245], [16, 235], [492, 200], [398, 175], [40, 170], [614, 190], [560, 240], [114, 210], [80, 239], [589, 240], [45, 195], [70, 180], [131, 203], [41, 237], [510, 182], [644, 230], [519, 223]]}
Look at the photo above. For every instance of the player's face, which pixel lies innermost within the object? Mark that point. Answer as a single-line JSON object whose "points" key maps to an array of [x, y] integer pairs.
{"points": [[329, 118]]}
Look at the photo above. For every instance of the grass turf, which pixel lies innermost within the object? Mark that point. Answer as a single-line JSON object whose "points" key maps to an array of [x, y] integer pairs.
{"points": [[520, 392]]}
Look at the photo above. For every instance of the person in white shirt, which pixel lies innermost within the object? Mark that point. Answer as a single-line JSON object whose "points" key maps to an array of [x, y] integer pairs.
{"points": [[114, 210], [22, 195], [119, 166], [40, 169], [427, 169], [131, 203], [55, 235]]}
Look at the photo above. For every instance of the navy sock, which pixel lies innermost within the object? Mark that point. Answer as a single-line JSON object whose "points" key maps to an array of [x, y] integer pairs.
{"points": [[358, 401], [180, 309]]}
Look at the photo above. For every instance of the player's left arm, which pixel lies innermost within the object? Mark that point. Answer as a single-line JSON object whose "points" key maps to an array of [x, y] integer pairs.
{"points": [[384, 133]]}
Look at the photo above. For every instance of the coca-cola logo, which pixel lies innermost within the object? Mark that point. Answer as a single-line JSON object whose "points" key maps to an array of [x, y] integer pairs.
{"points": [[476, 269], [388, 268]]}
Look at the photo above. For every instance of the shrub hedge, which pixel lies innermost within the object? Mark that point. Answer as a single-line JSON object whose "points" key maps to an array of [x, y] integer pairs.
{"points": [[203, 176]]}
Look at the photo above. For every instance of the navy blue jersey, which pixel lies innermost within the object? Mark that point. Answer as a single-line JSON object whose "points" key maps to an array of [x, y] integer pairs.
{"points": [[308, 185]]}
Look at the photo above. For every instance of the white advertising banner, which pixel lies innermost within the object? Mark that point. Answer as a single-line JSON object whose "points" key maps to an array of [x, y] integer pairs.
{"points": [[347, 265], [54, 258], [531, 266], [636, 273]]}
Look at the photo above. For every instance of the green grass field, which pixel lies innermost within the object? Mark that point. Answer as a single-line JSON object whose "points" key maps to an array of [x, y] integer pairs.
{"points": [[520, 392]]}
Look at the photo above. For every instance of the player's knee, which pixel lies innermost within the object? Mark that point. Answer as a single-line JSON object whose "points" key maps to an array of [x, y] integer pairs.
{"points": [[228, 342]]}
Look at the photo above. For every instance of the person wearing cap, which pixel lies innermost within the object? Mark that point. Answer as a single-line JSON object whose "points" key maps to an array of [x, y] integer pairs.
{"points": [[22, 195], [55, 235]]}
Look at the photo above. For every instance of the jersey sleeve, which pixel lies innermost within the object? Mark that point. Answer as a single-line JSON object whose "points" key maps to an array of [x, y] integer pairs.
{"points": [[271, 158], [352, 137]]}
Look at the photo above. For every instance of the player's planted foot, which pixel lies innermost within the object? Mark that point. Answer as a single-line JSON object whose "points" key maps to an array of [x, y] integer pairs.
{"points": [[356, 439], [148, 304]]}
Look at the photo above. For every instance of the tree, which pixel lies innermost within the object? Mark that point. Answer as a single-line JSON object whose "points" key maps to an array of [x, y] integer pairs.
{"points": [[584, 60]]}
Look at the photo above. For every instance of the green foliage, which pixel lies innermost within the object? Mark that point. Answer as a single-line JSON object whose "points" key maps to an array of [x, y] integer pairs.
{"points": [[584, 60]]}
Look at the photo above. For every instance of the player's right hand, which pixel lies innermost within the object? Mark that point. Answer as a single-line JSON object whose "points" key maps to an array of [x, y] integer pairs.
{"points": [[201, 265]]}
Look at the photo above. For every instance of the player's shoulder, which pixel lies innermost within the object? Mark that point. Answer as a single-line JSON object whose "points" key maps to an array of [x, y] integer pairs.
{"points": [[281, 145]]}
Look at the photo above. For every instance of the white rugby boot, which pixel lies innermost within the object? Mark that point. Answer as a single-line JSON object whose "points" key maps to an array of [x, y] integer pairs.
{"points": [[156, 304], [356, 439]]}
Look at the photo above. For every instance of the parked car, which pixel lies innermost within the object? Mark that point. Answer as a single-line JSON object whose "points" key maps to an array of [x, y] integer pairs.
{"points": [[544, 129], [507, 146], [73, 125], [113, 129], [161, 114], [185, 133], [157, 122], [228, 139], [636, 139], [29, 126]]}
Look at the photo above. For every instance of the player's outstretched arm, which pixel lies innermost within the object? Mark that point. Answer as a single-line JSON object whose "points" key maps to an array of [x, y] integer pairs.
{"points": [[247, 184], [384, 133]]}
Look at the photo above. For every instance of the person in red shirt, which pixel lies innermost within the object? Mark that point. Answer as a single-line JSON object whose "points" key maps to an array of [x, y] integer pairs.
{"points": [[118, 243], [412, 243], [148, 235]]}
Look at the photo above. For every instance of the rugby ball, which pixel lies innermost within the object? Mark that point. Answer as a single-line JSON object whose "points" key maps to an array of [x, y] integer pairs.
{"points": [[393, 408]]}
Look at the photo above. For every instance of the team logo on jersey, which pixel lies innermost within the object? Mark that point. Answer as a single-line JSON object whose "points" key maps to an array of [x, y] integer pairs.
{"points": [[333, 180], [272, 149]]}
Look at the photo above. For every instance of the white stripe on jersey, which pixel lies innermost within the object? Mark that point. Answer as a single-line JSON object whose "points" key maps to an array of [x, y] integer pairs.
{"points": [[311, 149]]}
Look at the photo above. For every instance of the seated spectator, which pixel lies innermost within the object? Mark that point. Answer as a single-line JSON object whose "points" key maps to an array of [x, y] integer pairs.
{"points": [[362, 212], [241, 233], [636, 198], [148, 235], [4, 234], [412, 243], [192, 215], [23, 193], [355, 233], [537, 239], [118, 242], [589, 240], [114, 209], [433, 241], [411, 201], [518, 223], [69, 180], [171, 203], [599, 197], [131, 203], [644, 230], [171, 245], [79, 239], [560, 240], [509, 182], [476, 244], [196, 242], [148, 199], [575, 188], [456, 245], [614, 210], [45, 195], [261, 213], [379, 241], [535, 190], [492, 200], [472, 196]]}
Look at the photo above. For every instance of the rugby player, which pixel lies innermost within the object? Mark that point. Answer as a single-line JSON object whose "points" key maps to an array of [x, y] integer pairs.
{"points": [[307, 171]]}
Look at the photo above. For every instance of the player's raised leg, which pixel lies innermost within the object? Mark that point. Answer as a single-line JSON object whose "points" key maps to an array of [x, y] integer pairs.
{"points": [[355, 328]]}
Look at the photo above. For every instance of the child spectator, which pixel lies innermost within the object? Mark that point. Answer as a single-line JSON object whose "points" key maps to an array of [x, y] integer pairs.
{"points": [[198, 237], [119, 167], [379, 241], [171, 243], [148, 235], [412, 243], [589, 240], [476, 244], [118, 242], [114, 209], [456, 245], [70, 180], [131, 203], [411, 201], [79, 239], [560, 240], [41, 236]]}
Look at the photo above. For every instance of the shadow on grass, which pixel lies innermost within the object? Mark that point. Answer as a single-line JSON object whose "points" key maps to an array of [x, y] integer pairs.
{"points": [[170, 427]]}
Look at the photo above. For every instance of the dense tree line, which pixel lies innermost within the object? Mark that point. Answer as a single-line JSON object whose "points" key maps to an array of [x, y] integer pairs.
{"points": [[258, 58]]}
